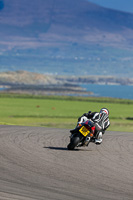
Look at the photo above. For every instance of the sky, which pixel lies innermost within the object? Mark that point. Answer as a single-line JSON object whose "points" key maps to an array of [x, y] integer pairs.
{"points": [[122, 5]]}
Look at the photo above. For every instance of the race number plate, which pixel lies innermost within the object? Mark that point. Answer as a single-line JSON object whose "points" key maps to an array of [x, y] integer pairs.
{"points": [[84, 131]]}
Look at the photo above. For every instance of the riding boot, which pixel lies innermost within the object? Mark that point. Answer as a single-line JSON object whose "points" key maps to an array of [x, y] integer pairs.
{"points": [[99, 139]]}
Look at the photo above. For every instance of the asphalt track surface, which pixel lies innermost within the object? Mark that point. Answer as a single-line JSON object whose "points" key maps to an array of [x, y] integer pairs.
{"points": [[36, 165]]}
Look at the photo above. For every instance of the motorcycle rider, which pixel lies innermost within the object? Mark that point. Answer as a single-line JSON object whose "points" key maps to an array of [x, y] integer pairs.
{"points": [[98, 122]]}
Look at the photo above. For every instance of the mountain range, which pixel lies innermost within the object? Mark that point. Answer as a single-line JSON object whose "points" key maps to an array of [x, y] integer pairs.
{"points": [[65, 37]]}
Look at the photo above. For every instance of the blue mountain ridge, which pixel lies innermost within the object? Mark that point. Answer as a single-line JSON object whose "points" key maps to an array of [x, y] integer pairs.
{"points": [[65, 37]]}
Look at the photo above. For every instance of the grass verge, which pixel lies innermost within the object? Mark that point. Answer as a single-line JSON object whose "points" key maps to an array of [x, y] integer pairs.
{"points": [[62, 112]]}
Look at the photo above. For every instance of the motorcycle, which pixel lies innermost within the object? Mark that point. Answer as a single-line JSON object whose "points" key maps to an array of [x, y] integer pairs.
{"points": [[81, 135]]}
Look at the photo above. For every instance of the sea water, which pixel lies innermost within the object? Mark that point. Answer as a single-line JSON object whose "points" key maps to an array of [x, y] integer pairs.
{"points": [[115, 91], [1, 88]]}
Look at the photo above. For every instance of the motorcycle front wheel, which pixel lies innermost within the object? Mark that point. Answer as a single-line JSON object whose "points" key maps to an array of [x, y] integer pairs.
{"points": [[74, 142]]}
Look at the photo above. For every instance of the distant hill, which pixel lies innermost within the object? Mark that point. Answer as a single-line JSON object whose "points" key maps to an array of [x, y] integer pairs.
{"points": [[23, 82], [26, 79], [65, 36]]}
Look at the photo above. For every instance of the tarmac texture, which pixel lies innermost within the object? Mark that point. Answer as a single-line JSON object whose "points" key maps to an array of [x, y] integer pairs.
{"points": [[36, 165]]}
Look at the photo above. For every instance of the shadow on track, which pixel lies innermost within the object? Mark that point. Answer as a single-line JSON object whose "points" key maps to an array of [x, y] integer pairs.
{"points": [[60, 148], [65, 149], [57, 148]]}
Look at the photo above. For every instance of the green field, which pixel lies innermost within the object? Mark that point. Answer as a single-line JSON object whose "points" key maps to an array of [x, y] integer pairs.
{"points": [[62, 112]]}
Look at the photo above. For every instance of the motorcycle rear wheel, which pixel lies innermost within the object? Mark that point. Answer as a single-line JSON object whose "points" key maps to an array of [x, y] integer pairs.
{"points": [[74, 142]]}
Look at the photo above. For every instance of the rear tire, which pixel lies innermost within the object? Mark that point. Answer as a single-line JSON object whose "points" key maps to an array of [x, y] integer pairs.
{"points": [[74, 142]]}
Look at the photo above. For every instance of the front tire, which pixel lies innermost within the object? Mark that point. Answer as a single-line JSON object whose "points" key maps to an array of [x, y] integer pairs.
{"points": [[74, 142]]}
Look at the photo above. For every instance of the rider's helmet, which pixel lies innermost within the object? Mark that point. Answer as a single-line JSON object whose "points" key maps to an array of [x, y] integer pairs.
{"points": [[104, 111], [98, 116]]}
